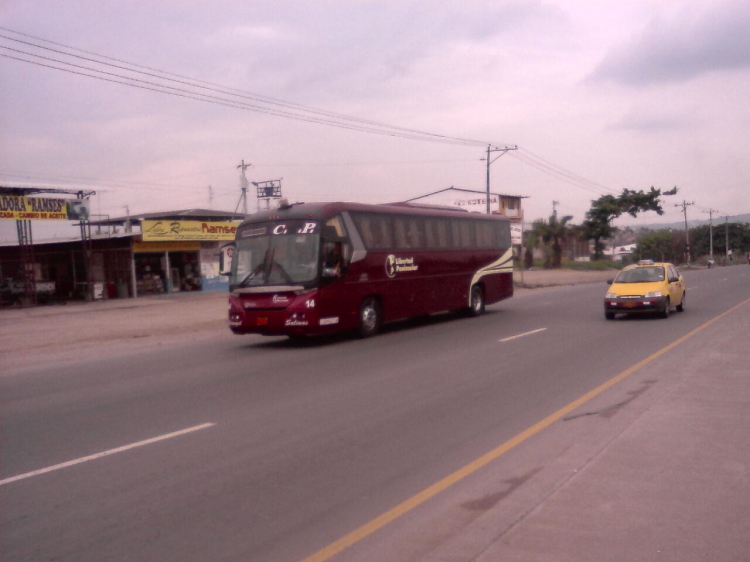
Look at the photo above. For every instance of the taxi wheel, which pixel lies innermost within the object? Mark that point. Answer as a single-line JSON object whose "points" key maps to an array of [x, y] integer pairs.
{"points": [[665, 313], [609, 315], [681, 306]]}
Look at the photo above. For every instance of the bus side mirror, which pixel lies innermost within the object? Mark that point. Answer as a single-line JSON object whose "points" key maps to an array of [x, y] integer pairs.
{"points": [[225, 259]]}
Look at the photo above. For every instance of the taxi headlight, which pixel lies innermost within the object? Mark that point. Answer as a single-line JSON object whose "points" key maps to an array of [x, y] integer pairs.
{"points": [[653, 294], [610, 296]]}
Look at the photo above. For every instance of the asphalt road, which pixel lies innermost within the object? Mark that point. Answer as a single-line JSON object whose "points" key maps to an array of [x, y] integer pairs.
{"points": [[291, 446]]}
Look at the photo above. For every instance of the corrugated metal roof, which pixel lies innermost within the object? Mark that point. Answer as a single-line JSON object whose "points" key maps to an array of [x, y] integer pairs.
{"points": [[467, 191], [73, 239], [184, 214]]}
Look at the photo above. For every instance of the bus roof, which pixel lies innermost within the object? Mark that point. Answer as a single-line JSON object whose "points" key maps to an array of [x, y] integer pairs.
{"points": [[321, 211]]}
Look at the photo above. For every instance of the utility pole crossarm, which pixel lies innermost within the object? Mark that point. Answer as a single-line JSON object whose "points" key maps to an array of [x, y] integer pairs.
{"points": [[490, 149], [684, 206], [243, 187]]}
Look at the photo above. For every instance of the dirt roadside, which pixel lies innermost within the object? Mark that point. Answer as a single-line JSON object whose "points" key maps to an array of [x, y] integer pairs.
{"points": [[55, 334], [48, 335], [536, 278]]}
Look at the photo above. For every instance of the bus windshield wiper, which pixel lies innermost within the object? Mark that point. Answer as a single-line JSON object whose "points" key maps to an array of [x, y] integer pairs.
{"points": [[250, 276], [261, 268]]}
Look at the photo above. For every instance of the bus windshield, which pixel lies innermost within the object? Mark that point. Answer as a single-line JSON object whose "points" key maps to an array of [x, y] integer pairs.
{"points": [[276, 253]]}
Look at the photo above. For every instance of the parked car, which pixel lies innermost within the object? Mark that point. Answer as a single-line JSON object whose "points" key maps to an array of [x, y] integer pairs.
{"points": [[645, 287]]}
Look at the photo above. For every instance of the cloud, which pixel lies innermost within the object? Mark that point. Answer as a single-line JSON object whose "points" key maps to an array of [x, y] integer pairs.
{"points": [[648, 122], [683, 48]]}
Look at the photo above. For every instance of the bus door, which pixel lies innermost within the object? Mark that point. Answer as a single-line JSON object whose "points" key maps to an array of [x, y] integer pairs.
{"points": [[336, 296]]}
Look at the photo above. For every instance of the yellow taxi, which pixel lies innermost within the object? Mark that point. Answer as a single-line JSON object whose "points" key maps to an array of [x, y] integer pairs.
{"points": [[645, 287]]}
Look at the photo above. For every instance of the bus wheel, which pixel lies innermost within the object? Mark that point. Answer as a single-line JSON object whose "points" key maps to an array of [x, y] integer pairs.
{"points": [[477, 301], [369, 317]]}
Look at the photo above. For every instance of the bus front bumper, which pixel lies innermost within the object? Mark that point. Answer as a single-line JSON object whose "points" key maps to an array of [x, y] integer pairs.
{"points": [[278, 322]]}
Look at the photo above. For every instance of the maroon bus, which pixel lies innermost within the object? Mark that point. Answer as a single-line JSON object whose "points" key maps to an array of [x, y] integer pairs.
{"points": [[323, 267]]}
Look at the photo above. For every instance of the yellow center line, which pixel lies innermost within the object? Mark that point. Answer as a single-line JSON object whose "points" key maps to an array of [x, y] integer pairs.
{"points": [[384, 519]]}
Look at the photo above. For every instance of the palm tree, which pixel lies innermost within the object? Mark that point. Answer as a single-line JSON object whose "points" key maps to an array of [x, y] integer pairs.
{"points": [[530, 242], [553, 233]]}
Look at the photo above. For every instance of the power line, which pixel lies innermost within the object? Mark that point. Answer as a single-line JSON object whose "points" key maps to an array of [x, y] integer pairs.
{"points": [[177, 85], [561, 173], [214, 87], [271, 107]]}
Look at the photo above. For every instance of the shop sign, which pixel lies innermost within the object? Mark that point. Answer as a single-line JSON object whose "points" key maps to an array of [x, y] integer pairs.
{"points": [[168, 230], [41, 208], [472, 202], [159, 247], [516, 234]]}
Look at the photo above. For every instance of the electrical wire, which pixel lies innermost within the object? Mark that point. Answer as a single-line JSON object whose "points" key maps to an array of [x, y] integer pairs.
{"points": [[185, 87], [547, 167], [288, 110], [222, 89]]}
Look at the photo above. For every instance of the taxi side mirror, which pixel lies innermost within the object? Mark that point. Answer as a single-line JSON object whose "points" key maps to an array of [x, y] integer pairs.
{"points": [[610, 281], [674, 279]]}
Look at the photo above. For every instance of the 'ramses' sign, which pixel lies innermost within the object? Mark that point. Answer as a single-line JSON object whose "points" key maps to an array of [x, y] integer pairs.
{"points": [[38, 208], [170, 230]]}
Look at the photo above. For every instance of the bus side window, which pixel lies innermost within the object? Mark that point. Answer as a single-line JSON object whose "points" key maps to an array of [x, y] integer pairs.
{"points": [[366, 230], [334, 259], [455, 233], [415, 233], [399, 226], [430, 231], [443, 233], [382, 225], [485, 235]]}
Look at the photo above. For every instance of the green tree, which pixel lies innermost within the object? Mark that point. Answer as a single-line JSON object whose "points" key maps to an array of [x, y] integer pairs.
{"points": [[737, 232], [598, 223], [531, 242], [661, 245], [553, 233]]}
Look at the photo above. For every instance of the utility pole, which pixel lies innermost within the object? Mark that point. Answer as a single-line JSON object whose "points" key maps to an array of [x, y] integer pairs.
{"points": [[243, 187], [502, 150], [726, 232], [711, 232], [684, 206], [554, 207]]}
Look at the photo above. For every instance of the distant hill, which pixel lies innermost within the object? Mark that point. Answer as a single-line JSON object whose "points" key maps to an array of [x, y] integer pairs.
{"points": [[691, 223]]}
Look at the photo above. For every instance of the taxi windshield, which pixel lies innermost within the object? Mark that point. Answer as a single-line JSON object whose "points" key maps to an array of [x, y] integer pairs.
{"points": [[281, 253], [641, 275]]}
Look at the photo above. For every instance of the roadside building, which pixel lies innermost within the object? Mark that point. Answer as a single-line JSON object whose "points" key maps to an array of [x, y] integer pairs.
{"points": [[146, 254], [176, 251], [476, 202]]}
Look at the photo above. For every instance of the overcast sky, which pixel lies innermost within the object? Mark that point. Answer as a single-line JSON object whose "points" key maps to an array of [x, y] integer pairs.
{"points": [[598, 96]]}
